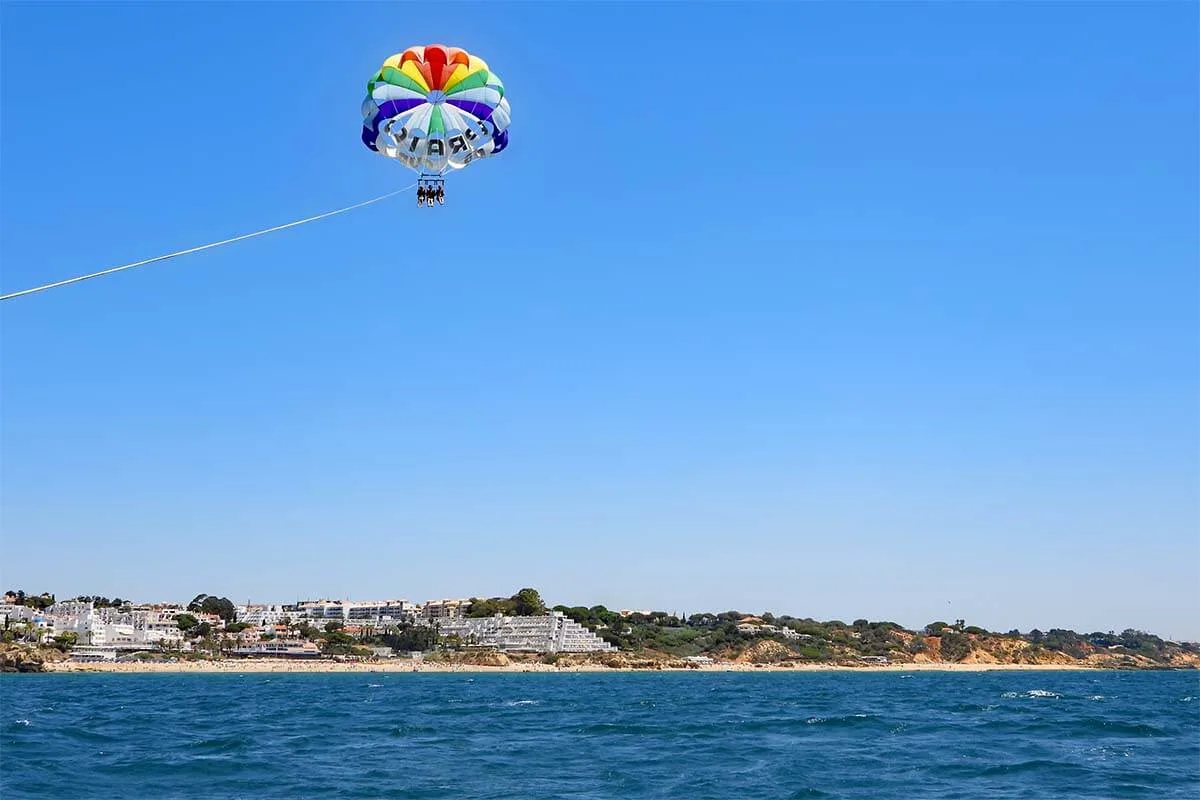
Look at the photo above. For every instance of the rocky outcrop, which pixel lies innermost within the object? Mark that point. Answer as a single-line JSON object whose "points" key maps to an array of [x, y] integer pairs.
{"points": [[25, 658]]}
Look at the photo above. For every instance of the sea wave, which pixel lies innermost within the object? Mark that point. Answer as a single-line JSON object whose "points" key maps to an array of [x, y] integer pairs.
{"points": [[672, 736]]}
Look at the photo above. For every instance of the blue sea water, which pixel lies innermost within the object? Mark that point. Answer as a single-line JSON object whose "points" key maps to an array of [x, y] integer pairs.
{"points": [[583, 735]]}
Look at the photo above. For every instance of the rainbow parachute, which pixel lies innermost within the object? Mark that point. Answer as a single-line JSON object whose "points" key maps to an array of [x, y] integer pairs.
{"points": [[434, 108]]}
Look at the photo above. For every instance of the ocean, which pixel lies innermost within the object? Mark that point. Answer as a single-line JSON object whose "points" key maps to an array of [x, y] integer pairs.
{"points": [[713, 735]]}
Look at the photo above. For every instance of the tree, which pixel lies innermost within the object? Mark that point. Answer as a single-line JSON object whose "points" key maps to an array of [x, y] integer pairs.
{"points": [[41, 602], [186, 622], [211, 604], [1065, 641], [66, 640], [955, 646], [337, 643], [410, 638], [485, 608], [528, 603]]}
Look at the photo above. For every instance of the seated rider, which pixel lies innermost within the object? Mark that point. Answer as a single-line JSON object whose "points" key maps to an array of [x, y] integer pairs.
{"points": [[441, 195], [420, 195]]}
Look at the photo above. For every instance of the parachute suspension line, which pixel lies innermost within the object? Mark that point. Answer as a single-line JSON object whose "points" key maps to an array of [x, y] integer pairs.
{"points": [[208, 246]]}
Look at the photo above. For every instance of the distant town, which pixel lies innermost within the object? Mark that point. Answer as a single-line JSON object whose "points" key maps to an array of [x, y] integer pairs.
{"points": [[40, 630], [97, 628]]}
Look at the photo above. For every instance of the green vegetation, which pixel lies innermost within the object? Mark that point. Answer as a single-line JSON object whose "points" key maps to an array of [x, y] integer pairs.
{"points": [[525, 603], [409, 638], [955, 646], [1128, 642], [66, 640], [730, 634], [211, 604], [1068, 642], [39, 602]]}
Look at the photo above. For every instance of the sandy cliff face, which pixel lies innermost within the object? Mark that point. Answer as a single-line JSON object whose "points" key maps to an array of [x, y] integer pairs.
{"points": [[1016, 651], [1005, 650], [767, 651], [969, 649], [1186, 660], [474, 658]]}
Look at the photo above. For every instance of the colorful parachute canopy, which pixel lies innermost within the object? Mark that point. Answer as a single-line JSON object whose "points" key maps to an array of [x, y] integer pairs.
{"points": [[435, 108]]}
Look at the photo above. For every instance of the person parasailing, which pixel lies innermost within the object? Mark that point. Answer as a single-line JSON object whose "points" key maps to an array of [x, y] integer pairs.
{"points": [[434, 108]]}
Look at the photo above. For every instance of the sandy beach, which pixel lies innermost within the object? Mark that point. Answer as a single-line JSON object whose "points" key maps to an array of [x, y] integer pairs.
{"points": [[283, 665]]}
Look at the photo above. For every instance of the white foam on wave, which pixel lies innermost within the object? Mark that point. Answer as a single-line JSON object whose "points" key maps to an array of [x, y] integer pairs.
{"points": [[1104, 752], [22, 721], [1096, 697], [1187, 699], [1030, 693], [821, 720], [522, 702]]}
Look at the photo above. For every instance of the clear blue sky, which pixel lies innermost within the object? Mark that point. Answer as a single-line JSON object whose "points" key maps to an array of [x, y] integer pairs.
{"points": [[838, 310]]}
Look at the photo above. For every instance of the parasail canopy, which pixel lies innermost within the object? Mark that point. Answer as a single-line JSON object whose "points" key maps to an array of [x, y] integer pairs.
{"points": [[434, 108]]}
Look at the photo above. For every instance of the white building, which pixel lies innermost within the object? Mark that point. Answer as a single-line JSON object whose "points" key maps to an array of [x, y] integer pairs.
{"points": [[762, 629], [262, 616], [10, 613], [156, 626], [381, 613], [377, 613], [444, 609], [553, 633], [130, 628], [84, 652]]}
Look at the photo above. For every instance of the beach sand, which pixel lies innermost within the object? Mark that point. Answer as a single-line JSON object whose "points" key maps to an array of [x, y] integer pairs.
{"points": [[405, 665]]}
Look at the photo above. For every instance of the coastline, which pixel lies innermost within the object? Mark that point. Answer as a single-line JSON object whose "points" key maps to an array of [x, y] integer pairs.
{"points": [[287, 666]]}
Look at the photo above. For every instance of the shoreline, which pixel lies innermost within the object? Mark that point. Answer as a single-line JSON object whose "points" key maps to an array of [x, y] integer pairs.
{"points": [[286, 666]]}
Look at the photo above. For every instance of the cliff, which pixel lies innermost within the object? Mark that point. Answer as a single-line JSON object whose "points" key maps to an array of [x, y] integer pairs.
{"points": [[27, 658], [767, 640]]}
